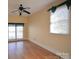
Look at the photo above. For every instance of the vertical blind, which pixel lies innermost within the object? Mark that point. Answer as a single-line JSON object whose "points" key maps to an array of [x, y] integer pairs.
{"points": [[15, 31]]}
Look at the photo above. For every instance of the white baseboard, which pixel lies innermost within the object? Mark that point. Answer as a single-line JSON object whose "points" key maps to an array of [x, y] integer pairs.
{"points": [[64, 55], [55, 51]]}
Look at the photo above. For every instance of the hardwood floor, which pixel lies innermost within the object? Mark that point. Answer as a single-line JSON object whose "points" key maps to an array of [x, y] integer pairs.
{"points": [[28, 50]]}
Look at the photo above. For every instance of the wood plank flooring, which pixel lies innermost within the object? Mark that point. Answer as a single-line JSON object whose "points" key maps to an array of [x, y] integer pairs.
{"points": [[28, 50]]}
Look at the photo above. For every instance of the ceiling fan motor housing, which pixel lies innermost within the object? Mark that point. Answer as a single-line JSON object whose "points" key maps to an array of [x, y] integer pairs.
{"points": [[21, 8]]}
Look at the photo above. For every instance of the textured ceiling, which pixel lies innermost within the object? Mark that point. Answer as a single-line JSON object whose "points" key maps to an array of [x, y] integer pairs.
{"points": [[35, 5]]}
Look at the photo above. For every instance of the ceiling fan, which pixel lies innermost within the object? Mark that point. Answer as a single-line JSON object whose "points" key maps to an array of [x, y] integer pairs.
{"points": [[21, 10]]}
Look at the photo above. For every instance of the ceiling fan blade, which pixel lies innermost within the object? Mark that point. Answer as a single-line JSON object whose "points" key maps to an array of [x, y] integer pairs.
{"points": [[26, 11], [27, 8], [17, 2], [14, 11]]}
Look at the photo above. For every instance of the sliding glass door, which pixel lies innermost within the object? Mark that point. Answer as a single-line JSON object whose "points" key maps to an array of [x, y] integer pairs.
{"points": [[15, 31]]}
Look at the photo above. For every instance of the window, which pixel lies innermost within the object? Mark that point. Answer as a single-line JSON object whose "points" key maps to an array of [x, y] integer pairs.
{"points": [[59, 21], [15, 31]]}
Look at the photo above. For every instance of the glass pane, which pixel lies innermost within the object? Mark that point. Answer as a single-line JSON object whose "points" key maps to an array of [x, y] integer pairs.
{"points": [[19, 32], [59, 27], [11, 30]]}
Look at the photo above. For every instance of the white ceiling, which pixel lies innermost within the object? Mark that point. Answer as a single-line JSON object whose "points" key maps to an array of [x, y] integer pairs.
{"points": [[35, 5]]}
